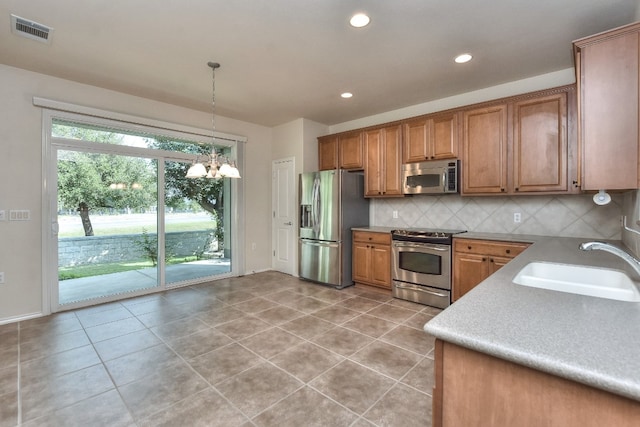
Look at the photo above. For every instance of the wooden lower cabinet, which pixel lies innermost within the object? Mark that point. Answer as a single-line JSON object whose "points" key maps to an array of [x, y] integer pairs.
{"points": [[372, 259], [475, 260], [475, 389]]}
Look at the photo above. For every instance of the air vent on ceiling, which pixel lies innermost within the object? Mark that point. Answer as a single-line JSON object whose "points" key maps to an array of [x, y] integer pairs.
{"points": [[32, 30]]}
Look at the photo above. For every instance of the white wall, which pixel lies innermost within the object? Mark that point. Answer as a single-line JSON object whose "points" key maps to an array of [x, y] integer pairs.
{"points": [[21, 174]]}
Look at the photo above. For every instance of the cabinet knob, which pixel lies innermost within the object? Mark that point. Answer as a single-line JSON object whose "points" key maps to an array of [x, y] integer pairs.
{"points": [[484, 259], [517, 189], [469, 247], [508, 251], [502, 189], [490, 259]]}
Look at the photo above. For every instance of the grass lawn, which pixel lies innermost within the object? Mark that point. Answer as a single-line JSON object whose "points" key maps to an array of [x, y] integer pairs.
{"points": [[81, 271], [137, 229]]}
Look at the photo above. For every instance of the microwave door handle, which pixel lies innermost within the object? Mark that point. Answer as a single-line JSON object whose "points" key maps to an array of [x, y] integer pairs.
{"points": [[444, 181]]}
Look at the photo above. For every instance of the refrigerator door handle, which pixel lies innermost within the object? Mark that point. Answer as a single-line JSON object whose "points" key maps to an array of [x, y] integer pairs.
{"points": [[315, 205], [321, 244]]}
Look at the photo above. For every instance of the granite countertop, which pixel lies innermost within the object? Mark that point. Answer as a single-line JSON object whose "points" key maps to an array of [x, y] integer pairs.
{"points": [[375, 229], [590, 340]]}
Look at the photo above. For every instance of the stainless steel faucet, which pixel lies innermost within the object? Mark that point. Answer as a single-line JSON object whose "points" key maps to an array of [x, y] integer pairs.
{"points": [[602, 246]]}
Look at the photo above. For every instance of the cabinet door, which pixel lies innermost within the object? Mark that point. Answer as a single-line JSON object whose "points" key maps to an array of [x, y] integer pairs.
{"points": [[392, 175], [540, 144], [609, 112], [328, 152], [416, 141], [351, 151], [485, 150], [373, 185], [445, 137], [496, 263], [381, 266], [468, 271], [361, 263]]}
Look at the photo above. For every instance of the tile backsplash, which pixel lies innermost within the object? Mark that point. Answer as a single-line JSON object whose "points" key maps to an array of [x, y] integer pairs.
{"points": [[566, 216]]}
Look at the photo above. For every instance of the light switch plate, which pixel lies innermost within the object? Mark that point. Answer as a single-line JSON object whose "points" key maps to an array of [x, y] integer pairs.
{"points": [[3, 215]]}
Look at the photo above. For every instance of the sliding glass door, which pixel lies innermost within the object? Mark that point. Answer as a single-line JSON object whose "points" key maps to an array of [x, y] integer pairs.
{"points": [[126, 221]]}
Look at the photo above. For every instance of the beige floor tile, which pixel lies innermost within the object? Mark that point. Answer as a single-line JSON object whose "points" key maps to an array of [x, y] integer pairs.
{"points": [[342, 341], [401, 407], [90, 318], [179, 328], [392, 313], [255, 305], [198, 343], [219, 365], [9, 409], [56, 326], [48, 345], [106, 409], [133, 366], [114, 329], [126, 344], [336, 314], [422, 376], [207, 409], [270, 342], [234, 297], [151, 394], [307, 327], [305, 407], [45, 397], [352, 385], [44, 368], [219, 316], [369, 325], [410, 339], [359, 304], [279, 315], [243, 327], [307, 304], [418, 320], [259, 387], [306, 361], [8, 380], [164, 315], [386, 359]]}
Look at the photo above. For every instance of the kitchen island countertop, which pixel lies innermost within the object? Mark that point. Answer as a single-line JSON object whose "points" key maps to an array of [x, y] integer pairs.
{"points": [[590, 340]]}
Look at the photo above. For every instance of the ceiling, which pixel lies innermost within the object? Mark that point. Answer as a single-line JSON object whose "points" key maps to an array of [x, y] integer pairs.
{"points": [[286, 59]]}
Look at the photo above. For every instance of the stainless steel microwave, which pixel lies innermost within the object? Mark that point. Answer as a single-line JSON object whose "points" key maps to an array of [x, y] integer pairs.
{"points": [[432, 177]]}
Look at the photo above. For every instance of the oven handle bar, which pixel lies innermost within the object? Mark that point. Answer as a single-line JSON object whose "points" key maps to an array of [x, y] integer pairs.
{"points": [[419, 289], [403, 244]]}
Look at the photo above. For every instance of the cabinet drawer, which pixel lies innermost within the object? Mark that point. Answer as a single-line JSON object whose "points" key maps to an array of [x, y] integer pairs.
{"points": [[486, 247], [372, 237]]}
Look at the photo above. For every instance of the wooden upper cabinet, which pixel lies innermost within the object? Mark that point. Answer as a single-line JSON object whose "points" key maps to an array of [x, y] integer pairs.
{"points": [[351, 150], [430, 138], [608, 85], [382, 162], [328, 152], [484, 147], [540, 144]]}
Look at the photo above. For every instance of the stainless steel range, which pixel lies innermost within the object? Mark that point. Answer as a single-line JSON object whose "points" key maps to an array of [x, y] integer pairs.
{"points": [[422, 265]]}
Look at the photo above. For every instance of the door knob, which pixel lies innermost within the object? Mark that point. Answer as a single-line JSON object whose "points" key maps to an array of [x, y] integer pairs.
{"points": [[288, 223]]}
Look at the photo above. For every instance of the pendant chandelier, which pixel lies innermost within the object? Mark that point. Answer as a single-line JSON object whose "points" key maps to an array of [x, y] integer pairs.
{"points": [[214, 165]]}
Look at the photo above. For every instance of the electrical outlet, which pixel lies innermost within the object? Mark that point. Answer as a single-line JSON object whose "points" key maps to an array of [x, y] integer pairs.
{"points": [[1, 277], [395, 214], [517, 217], [253, 246], [3, 216]]}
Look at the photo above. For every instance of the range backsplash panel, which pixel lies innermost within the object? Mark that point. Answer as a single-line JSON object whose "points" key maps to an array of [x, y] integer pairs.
{"points": [[566, 216]]}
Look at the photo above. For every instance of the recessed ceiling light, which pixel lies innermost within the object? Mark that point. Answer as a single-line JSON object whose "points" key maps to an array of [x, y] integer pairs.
{"points": [[461, 59], [346, 95], [359, 20]]}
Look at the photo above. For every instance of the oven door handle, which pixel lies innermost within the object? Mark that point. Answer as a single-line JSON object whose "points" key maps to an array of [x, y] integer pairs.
{"points": [[401, 244], [419, 289]]}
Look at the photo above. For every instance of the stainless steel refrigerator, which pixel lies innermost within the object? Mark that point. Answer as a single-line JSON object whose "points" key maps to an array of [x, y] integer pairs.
{"points": [[331, 203]]}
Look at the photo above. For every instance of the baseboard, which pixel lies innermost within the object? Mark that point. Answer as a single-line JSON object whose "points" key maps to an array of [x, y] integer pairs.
{"points": [[14, 319]]}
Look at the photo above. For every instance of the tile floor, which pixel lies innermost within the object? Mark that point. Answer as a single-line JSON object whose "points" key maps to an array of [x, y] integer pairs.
{"points": [[260, 350]]}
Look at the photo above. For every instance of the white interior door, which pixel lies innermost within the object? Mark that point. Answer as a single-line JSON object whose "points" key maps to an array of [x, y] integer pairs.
{"points": [[284, 220]]}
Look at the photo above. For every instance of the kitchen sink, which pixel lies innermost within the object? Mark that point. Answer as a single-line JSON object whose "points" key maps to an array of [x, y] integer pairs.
{"points": [[578, 279]]}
